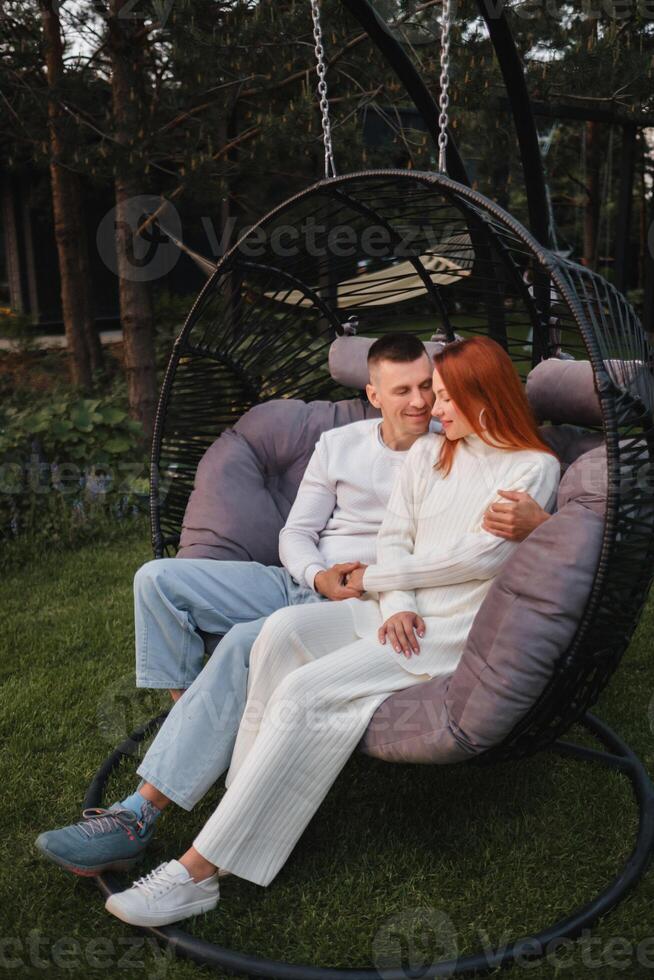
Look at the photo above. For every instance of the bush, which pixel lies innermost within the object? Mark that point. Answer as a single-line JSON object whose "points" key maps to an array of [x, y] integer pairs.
{"points": [[69, 463]]}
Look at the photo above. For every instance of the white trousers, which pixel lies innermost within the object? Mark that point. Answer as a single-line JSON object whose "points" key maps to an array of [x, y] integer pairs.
{"points": [[313, 688]]}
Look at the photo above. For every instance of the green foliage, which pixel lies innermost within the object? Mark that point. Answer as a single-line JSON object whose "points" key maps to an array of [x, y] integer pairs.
{"points": [[69, 464]]}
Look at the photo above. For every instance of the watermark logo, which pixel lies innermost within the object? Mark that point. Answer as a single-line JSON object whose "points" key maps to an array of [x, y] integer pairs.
{"points": [[143, 254], [415, 940], [123, 708]]}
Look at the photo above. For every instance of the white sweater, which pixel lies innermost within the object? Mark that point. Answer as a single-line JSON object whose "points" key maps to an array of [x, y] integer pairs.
{"points": [[341, 501], [432, 555]]}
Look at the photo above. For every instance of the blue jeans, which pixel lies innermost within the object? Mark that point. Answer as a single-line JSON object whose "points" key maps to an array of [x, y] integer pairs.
{"points": [[173, 599]]}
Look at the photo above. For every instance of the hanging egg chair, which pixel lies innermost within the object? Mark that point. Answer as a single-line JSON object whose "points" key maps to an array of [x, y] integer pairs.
{"points": [[365, 254]]}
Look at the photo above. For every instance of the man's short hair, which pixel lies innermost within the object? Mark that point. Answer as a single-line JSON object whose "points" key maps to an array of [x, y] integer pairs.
{"points": [[398, 347]]}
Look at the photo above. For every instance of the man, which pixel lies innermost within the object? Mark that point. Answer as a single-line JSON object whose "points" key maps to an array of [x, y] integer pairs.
{"points": [[331, 531]]}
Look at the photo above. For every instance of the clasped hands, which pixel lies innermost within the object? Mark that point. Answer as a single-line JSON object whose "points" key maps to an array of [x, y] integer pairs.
{"points": [[342, 581]]}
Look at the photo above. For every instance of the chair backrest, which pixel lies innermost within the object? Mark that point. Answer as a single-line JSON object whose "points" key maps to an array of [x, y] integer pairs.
{"points": [[247, 480]]}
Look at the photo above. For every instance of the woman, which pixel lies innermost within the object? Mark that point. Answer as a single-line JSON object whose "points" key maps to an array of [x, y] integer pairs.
{"points": [[318, 672]]}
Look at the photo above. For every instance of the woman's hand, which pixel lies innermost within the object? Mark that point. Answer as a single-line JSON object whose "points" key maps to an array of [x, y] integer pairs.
{"points": [[354, 579], [400, 630]]}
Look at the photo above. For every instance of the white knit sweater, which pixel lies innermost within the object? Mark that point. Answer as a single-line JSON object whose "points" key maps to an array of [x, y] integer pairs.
{"points": [[432, 555], [341, 501]]}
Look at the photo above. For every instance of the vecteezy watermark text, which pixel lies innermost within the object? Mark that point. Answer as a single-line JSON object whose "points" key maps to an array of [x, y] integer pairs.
{"points": [[68, 478], [153, 248], [130, 954], [416, 940]]}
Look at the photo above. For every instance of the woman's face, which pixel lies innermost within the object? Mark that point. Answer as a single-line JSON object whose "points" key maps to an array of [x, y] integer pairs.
{"points": [[455, 424]]}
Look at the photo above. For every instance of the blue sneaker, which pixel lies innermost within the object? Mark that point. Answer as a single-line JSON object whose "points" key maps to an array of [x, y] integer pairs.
{"points": [[104, 840]]}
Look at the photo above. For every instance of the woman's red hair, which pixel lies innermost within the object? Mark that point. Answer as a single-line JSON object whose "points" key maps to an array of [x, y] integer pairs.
{"points": [[479, 374]]}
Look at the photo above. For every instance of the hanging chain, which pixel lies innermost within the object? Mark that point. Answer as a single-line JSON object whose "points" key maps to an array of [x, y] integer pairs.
{"points": [[444, 99], [321, 70]]}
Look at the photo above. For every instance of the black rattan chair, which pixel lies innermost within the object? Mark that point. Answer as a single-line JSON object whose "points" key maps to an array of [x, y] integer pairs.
{"points": [[437, 257]]}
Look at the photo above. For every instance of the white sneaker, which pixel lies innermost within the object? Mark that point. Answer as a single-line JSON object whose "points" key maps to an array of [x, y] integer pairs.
{"points": [[165, 895]]}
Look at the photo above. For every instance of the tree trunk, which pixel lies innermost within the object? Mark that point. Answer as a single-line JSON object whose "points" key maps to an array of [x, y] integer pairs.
{"points": [[135, 316], [83, 343], [126, 46], [91, 331], [591, 210], [648, 272], [625, 206], [642, 214]]}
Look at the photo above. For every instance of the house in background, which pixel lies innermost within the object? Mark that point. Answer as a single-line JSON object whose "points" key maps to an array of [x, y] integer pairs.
{"points": [[29, 268]]}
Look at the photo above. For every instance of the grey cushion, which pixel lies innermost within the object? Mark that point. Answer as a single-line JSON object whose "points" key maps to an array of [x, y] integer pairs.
{"points": [[564, 391], [559, 390], [569, 442], [247, 480], [348, 359], [525, 623], [586, 482]]}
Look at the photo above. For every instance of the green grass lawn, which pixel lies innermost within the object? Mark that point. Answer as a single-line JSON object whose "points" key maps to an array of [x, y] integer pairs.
{"points": [[435, 859]]}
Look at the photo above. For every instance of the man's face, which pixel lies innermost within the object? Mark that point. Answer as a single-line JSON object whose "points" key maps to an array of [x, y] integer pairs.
{"points": [[404, 394]]}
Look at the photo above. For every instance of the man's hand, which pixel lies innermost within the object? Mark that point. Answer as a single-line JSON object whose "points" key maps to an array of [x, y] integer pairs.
{"points": [[401, 629], [354, 579], [330, 582], [515, 520]]}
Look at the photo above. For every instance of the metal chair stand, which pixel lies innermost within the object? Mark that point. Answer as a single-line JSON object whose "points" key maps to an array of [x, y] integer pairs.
{"points": [[615, 754]]}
